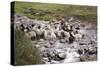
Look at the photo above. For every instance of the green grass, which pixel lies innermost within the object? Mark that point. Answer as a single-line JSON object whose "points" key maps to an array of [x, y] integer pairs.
{"points": [[49, 11], [24, 52]]}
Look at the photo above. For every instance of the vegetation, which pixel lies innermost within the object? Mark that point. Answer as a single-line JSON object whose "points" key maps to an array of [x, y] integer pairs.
{"points": [[45, 11], [24, 52]]}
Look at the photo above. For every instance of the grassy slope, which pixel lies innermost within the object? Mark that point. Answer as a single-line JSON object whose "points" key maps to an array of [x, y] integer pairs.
{"points": [[87, 13], [24, 52]]}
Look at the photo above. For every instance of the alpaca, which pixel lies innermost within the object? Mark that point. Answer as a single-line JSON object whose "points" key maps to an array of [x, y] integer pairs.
{"points": [[49, 35], [32, 35], [71, 38], [77, 36], [39, 32]]}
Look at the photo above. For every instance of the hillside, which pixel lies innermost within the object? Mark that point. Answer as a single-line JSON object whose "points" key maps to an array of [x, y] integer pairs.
{"points": [[46, 11]]}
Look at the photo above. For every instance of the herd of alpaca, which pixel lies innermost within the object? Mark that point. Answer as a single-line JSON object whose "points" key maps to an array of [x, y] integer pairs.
{"points": [[55, 29]]}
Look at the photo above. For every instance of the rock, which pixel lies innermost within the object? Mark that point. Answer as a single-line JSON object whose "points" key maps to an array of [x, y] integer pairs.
{"points": [[92, 51], [37, 46], [82, 25], [92, 41], [77, 28], [45, 59], [59, 54], [57, 51], [54, 62], [83, 58], [92, 57], [44, 54], [51, 42], [82, 43], [41, 40], [62, 41], [42, 49], [80, 51], [52, 54], [62, 55], [47, 45]]}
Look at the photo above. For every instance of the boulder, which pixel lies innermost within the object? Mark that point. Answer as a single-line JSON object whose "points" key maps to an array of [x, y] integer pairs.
{"points": [[59, 54], [52, 54], [41, 40], [82, 43], [42, 49], [44, 54], [51, 42], [62, 41], [54, 62], [77, 28], [45, 59], [62, 55], [92, 51], [47, 45], [80, 51], [37, 46], [57, 51]]}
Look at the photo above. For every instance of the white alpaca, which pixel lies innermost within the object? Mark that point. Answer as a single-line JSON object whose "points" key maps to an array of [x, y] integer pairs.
{"points": [[39, 31], [61, 33], [49, 35], [71, 19], [32, 34], [81, 31], [69, 28], [77, 36], [53, 36], [66, 34], [58, 33], [66, 23], [34, 28], [57, 27]]}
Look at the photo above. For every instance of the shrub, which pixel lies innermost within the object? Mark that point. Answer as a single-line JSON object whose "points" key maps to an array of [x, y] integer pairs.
{"points": [[25, 53]]}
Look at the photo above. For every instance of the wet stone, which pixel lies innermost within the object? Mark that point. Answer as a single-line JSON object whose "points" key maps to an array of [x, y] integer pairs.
{"points": [[62, 41], [37, 46], [62, 55]]}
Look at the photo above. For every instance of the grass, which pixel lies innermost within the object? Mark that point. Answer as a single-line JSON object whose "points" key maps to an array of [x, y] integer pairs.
{"points": [[24, 52], [50, 11]]}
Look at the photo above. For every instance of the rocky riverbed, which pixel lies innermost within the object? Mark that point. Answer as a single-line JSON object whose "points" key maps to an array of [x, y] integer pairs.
{"points": [[61, 41]]}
